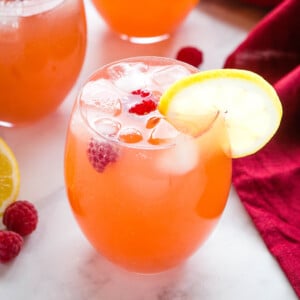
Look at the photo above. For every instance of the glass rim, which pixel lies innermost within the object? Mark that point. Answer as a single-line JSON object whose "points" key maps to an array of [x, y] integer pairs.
{"points": [[142, 146]]}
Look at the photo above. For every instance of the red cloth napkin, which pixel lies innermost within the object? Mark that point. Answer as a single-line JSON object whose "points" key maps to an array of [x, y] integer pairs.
{"points": [[272, 48], [268, 182]]}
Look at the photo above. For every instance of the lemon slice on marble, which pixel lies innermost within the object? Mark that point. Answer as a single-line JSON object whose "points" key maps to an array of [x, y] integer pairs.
{"points": [[249, 104], [9, 176]]}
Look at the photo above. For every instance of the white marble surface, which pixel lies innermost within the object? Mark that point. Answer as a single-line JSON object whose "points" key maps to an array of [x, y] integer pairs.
{"points": [[58, 263]]}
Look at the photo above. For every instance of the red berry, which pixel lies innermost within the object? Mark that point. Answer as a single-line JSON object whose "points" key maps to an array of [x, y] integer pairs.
{"points": [[144, 107], [100, 154], [140, 92], [190, 55], [10, 245], [148, 104], [21, 217]]}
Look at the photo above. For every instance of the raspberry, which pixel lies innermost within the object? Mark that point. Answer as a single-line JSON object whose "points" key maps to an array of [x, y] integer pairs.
{"points": [[147, 105], [143, 108], [10, 245], [100, 154], [190, 55], [140, 92], [21, 217]]}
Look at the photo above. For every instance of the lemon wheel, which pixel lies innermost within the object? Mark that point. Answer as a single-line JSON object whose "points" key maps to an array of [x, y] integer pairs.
{"points": [[249, 104]]}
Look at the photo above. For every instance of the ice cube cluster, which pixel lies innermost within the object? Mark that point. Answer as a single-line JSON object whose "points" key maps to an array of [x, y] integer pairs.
{"points": [[106, 101], [103, 100]]}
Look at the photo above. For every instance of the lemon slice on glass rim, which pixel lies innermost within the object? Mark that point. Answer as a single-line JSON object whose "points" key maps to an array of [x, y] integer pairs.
{"points": [[249, 104], [9, 176]]}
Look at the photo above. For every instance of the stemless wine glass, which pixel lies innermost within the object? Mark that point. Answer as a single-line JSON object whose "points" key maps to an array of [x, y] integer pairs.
{"points": [[144, 21], [42, 48], [145, 195]]}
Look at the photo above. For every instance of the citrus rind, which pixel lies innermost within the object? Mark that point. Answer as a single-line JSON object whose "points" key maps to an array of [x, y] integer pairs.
{"points": [[9, 176], [249, 104]]}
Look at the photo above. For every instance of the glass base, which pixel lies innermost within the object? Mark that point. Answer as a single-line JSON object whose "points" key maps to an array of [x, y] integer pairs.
{"points": [[144, 40]]}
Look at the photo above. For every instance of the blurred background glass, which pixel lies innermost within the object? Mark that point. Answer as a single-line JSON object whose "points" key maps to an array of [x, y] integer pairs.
{"points": [[144, 21], [42, 49]]}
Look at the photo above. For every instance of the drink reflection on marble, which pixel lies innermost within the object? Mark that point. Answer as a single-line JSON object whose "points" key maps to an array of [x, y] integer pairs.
{"points": [[145, 195], [42, 48], [145, 21]]}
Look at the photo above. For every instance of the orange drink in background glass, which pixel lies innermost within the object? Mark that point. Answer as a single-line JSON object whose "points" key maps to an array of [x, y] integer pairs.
{"points": [[145, 195], [144, 21], [42, 48]]}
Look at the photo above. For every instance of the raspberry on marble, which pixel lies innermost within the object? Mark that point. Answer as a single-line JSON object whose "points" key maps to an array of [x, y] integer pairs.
{"points": [[190, 55], [21, 217], [11, 244]]}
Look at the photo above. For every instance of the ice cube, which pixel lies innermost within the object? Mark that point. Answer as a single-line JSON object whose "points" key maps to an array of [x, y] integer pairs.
{"points": [[10, 11], [101, 97], [166, 76], [119, 70], [181, 158], [107, 127], [163, 133], [129, 76]]}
